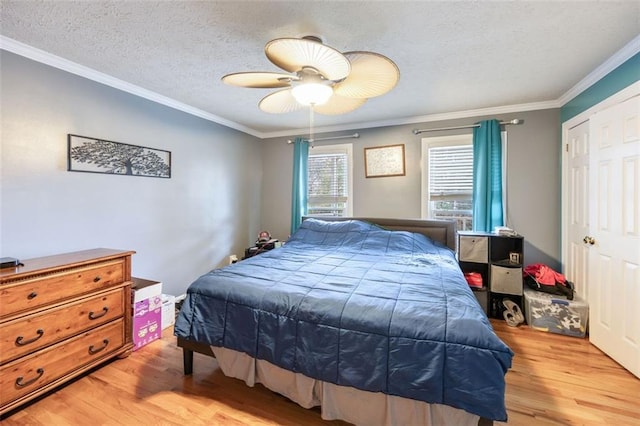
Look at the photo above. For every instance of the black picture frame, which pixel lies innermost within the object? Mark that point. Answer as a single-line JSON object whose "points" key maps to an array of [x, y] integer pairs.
{"points": [[92, 155]]}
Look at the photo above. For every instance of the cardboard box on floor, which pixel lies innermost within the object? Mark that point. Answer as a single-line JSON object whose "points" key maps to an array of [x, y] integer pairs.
{"points": [[147, 311]]}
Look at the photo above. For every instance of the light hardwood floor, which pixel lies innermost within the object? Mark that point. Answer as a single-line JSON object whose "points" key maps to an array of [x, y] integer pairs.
{"points": [[554, 380]]}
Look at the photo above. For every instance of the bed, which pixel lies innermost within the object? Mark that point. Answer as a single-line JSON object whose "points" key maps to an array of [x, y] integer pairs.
{"points": [[371, 319]]}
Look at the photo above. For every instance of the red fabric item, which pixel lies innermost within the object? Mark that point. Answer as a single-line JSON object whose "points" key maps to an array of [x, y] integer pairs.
{"points": [[474, 279], [544, 274]]}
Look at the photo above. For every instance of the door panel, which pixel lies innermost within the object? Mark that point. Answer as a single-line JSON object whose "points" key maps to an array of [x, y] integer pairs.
{"points": [[578, 206], [630, 201], [614, 256]]}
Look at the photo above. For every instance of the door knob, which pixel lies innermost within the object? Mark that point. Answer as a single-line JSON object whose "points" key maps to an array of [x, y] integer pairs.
{"points": [[588, 240]]}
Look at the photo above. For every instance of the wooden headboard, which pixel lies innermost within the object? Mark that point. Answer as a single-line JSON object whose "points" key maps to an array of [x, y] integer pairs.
{"points": [[443, 231]]}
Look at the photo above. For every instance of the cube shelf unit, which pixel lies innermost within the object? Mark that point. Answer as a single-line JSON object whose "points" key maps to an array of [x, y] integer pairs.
{"points": [[499, 259]]}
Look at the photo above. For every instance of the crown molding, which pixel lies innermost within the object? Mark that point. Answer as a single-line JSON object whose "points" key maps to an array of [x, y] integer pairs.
{"points": [[534, 106], [609, 65], [624, 54], [41, 56], [47, 58]]}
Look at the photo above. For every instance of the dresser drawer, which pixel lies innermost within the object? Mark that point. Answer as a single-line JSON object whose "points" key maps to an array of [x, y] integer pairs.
{"points": [[30, 333], [30, 373], [474, 249], [42, 290], [506, 280]]}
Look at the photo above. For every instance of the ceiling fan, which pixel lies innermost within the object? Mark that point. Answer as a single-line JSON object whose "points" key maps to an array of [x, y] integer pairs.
{"points": [[319, 76]]}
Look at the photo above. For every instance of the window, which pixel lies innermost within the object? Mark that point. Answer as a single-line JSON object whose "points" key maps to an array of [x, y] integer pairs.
{"points": [[329, 180], [448, 179]]}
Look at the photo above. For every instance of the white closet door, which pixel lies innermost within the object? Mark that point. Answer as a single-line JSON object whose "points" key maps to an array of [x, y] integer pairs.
{"points": [[578, 207], [614, 255]]}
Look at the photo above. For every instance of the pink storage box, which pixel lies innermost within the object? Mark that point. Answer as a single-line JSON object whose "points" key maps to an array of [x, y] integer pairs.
{"points": [[147, 311]]}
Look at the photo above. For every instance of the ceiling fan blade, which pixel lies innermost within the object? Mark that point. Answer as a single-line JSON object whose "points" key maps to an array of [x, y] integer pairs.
{"points": [[292, 54], [371, 75], [259, 80], [279, 102], [339, 105]]}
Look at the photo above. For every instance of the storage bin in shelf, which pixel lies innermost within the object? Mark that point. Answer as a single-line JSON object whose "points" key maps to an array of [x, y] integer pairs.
{"points": [[506, 280], [556, 314], [473, 248]]}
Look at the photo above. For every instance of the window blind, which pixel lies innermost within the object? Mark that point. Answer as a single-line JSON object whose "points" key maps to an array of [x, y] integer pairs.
{"points": [[450, 172], [327, 183]]}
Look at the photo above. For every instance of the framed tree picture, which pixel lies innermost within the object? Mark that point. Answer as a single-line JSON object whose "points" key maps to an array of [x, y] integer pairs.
{"points": [[384, 161], [93, 155]]}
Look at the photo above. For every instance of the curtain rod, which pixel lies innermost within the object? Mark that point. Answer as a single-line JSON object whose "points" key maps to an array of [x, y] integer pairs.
{"points": [[469, 126], [353, 136]]}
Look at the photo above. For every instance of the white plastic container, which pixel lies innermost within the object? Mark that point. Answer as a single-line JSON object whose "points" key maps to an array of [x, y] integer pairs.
{"points": [[556, 314], [168, 310]]}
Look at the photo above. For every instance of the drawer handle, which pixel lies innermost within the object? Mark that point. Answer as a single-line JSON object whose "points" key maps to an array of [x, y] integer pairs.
{"points": [[93, 351], [96, 279], [93, 316], [21, 342], [32, 295], [21, 384]]}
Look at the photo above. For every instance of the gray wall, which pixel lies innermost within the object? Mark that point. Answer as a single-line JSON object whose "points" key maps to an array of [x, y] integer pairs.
{"points": [[225, 185], [533, 179], [180, 227]]}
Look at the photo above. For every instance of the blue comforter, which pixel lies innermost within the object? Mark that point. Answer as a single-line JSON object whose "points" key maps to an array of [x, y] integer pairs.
{"points": [[353, 304]]}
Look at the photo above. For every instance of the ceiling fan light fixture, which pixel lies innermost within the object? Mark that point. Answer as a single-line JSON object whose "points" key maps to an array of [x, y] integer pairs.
{"points": [[312, 93], [329, 81]]}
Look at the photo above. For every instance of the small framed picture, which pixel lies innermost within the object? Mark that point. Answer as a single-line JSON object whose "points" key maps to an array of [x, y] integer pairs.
{"points": [[514, 257], [384, 161]]}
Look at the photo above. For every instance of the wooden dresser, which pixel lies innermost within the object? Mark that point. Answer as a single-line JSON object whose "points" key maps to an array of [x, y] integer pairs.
{"points": [[59, 317]]}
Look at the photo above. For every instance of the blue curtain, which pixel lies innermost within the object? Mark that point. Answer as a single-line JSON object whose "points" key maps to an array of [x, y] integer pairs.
{"points": [[487, 176], [299, 188]]}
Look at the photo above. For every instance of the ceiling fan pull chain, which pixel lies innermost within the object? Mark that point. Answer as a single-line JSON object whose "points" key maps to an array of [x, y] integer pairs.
{"points": [[311, 125]]}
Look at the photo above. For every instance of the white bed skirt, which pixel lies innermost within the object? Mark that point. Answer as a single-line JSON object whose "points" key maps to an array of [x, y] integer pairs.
{"points": [[339, 402]]}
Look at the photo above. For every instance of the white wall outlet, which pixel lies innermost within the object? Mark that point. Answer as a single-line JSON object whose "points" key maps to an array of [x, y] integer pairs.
{"points": [[233, 259]]}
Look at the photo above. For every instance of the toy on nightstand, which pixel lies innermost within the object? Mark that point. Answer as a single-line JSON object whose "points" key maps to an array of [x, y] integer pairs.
{"points": [[263, 243]]}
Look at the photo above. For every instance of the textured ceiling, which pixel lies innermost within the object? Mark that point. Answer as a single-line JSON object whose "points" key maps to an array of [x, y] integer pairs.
{"points": [[454, 56]]}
